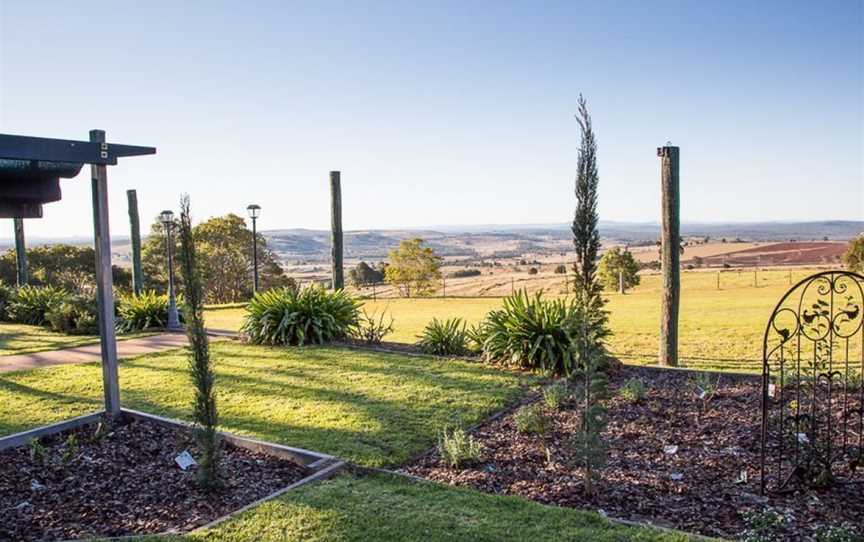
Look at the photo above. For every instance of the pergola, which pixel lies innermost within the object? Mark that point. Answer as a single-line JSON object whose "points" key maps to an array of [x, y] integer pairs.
{"points": [[30, 173]]}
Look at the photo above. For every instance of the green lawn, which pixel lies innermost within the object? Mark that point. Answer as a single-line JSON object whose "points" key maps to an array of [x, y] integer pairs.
{"points": [[371, 409], [719, 329], [386, 508], [24, 339]]}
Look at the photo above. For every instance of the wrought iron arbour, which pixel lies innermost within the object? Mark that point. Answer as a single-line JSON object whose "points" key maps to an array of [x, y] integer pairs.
{"points": [[812, 385]]}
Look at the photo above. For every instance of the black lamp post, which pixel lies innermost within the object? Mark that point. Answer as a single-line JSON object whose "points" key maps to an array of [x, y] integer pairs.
{"points": [[254, 213], [167, 218]]}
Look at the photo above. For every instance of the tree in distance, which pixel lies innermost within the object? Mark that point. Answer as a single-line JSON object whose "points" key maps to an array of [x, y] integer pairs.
{"points": [[616, 263], [414, 269]]}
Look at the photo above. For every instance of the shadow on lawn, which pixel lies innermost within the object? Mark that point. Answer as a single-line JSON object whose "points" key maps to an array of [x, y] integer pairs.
{"points": [[8, 427]]}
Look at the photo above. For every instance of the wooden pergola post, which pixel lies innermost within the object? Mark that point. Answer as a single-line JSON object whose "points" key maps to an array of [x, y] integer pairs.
{"points": [[670, 239], [336, 230], [104, 281], [20, 253], [135, 229]]}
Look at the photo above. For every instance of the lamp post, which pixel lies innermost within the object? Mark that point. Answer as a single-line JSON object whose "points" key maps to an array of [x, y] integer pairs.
{"points": [[254, 213], [167, 218]]}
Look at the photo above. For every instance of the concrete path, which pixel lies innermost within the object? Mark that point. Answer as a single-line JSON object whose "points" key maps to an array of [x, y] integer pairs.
{"points": [[91, 352]]}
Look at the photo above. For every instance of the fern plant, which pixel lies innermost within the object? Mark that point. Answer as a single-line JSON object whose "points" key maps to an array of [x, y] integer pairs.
{"points": [[292, 317], [147, 310], [444, 337], [30, 304]]}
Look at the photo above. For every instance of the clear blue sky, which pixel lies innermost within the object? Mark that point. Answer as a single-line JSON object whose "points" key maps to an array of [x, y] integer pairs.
{"points": [[445, 112]]}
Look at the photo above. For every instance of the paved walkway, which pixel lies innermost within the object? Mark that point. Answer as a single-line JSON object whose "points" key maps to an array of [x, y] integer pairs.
{"points": [[91, 352]]}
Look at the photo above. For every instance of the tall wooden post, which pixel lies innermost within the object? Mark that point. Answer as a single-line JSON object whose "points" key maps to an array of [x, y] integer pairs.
{"points": [[336, 230], [104, 286], [670, 238], [135, 228], [20, 252]]}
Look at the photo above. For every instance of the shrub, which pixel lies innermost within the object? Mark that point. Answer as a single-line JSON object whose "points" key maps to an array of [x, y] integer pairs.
{"points": [[444, 337], [556, 395], [532, 271], [633, 390], [531, 333], [531, 419], [77, 315], [461, 273], [7, 293], [458, 448], [31, 303], [289, 317], [561, 270], [148, 310], [371, 330]]}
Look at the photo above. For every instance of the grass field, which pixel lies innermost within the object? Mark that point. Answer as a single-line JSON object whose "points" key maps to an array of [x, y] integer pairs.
{"points": [[24, 339], [719, 329], [372, 409], [386, 508]]}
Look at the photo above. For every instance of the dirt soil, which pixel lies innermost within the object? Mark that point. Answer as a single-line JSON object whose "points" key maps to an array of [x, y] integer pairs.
{"points": [[668, 463], [125, 482]]}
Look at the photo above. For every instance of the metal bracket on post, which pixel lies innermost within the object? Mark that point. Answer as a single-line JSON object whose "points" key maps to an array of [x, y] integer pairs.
{"points": [[104, 281]]}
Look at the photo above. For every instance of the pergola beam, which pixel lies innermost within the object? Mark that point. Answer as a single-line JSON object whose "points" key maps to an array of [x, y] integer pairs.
{"points": [[15, 147]]}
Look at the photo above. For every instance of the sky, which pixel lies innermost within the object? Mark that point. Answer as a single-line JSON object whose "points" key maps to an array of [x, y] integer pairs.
{"points": [[444, 113]]}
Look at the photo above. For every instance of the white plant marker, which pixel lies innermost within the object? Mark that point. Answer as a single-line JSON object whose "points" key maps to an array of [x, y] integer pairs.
{"points": [[185, 460], [670, 449]]}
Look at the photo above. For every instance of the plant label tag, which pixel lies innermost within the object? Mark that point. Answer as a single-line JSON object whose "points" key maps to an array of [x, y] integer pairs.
{"points": [[742, 477], [772, 391], [802, 438], [185, 460], [701, 393], [676, 476], [671, 449]]}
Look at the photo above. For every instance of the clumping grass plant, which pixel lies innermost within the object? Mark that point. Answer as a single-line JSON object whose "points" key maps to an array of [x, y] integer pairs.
{"points": [[147, 310], [292, 317], [633, 390], [531, 419], [556, 395], [530, 332], [445, 337], [30, 304], [458, 448]]}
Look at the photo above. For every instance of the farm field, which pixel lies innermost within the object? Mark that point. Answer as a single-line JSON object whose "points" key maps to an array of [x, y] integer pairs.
{"points": [[369, 408], [719, 329]]}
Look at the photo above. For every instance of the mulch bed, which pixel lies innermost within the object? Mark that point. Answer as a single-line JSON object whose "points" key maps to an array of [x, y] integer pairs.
{"points": [[125, 483], [696, 488]]}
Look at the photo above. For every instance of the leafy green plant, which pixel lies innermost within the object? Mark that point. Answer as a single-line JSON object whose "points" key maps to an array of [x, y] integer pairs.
{"points": [[763, 525], [31, 303], [77, 315], [7, 294], [705, 389], [458, 448], [556, 395], [38, 453], [444, 337], [844, 532], [370, 329], [531, 419], [588, 446], [147, 310], [633, 390], [530, 332], [70, 448], [313, 315]]}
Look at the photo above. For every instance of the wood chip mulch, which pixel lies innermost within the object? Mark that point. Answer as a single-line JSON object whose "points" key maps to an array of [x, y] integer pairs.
{"points": [[125, 482], [695, 487]]}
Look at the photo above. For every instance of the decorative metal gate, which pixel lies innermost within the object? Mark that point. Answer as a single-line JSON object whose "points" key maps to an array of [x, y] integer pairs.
{"points": [[812, 386]]}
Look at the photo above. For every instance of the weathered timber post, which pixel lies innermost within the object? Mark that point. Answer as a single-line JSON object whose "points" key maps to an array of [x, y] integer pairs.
{"points": [[621, 282], [670, 237], [20, 252], [336, 230], [104, 280], [135, 227]]}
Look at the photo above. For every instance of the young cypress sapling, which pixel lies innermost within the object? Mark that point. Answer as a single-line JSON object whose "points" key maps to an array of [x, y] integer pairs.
{"points": [[200, 367]]}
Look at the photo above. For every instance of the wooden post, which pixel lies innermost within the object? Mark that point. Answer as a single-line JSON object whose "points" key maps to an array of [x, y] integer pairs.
{"points": [[670, 236], [718, 280], [20, 252], [135, 228], [621, 282], [336, 230], [104, 286], [443, 286]]}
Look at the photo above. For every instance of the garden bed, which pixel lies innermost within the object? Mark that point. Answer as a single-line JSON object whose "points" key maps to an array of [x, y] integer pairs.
{"points": [[695, 487], [120, 478]]}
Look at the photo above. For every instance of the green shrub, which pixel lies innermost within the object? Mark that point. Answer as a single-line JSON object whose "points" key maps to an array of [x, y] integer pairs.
{"points": [[370, 329], [532, 333], [31, 303], [77, 315], [633, 390], [461, 273], [555, 396], [312, 315], [458, 448], [532, 419], [7, 293], [444, 337], [147, 310]]}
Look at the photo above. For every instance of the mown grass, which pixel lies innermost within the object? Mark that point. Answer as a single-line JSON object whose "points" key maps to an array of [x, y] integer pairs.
{"points": [[387, 508], [25, 339], [719, 329], [369, 408]]}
